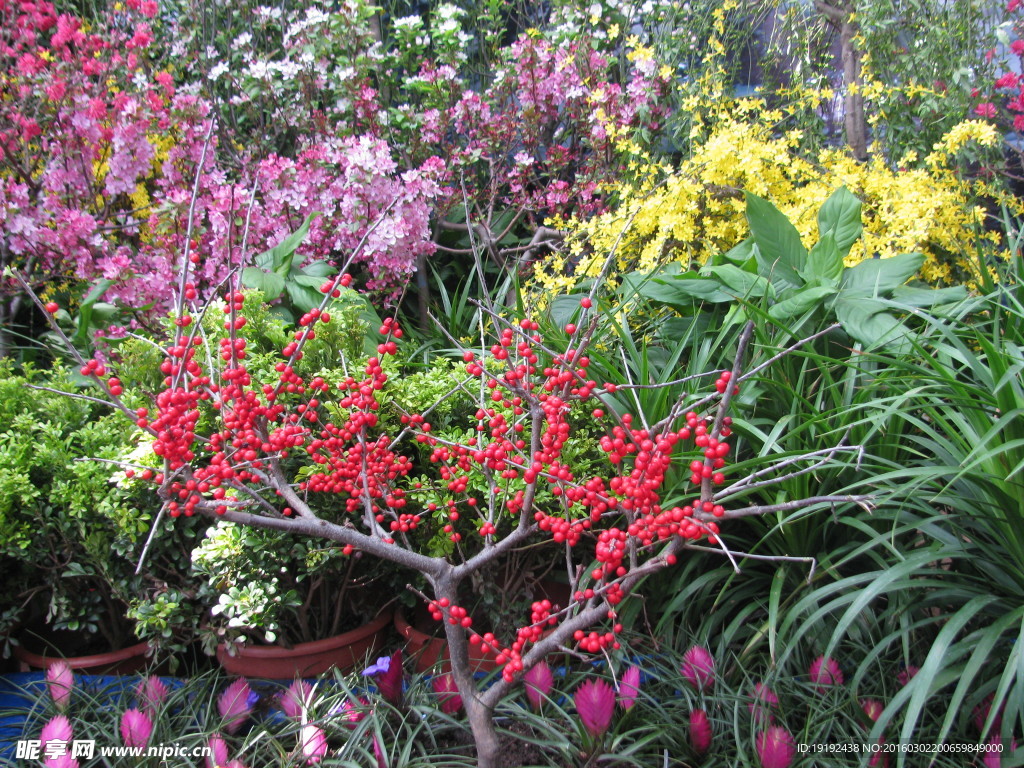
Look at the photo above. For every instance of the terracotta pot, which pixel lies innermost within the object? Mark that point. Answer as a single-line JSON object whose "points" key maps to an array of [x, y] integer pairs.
{"points": [[126, 661], [430, 651], [345, 651]]}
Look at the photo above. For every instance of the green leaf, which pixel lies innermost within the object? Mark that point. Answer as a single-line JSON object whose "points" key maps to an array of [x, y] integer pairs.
{"points": [[744, 284], [866, 320], [928, 297], [279, 258], [824, 262], [779, 250], [319, 269], [270, 284], [840, 217], [303, 297], [802, 301], [681, 290], [876, 277], [741, 253], [85, 310]]}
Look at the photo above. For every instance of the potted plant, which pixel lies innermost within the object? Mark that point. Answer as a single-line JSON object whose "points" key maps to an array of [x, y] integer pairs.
{"points": [[74, 528]]}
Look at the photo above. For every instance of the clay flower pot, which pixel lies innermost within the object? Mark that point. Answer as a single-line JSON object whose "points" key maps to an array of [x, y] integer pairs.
{"points": [[429, 651], [126, 661], [345, 651]]}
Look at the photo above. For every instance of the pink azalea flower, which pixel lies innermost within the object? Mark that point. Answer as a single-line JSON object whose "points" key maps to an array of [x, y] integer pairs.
{"points": [[314, 744], [595, 704], [629, 687], [295, 698], [825, 673], [699, 668], [151, 693], [235, 704], [448, 693], [700, 731], [60, 681], [775, 748], [539, 681], [136, 728]]}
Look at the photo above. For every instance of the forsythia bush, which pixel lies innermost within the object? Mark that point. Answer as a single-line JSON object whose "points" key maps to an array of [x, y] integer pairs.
{"points": [[697, 210]]}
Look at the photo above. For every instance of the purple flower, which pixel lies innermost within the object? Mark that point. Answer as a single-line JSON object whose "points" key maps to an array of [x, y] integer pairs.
{"points": [[700, 731], [825, 673], [448, 693], [387, 671], [764, 698], [60, 680], [136, 728], [629, 688], [595, 704], [775, 747], [58, 730], [294, 700], [218, 751], [235, 704], [314, 743], [151, 693], [699, 668], [539, 681]]}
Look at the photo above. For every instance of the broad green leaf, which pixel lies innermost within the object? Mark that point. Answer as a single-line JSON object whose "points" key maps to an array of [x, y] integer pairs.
{"points": [[779, 250], [867, 321], [270, 284], [824, 262], [682, 289], [279, 258], [928, 297], [745, 284], [319, 269], [741, 253], [85, 310], [800, 302], [877, 277], [840, 217], [303, 297]]}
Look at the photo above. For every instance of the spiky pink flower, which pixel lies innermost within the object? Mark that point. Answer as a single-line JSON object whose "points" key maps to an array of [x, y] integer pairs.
{"points": [[350, 712], [539, 681], [136, 728], [994, 751], [595, 704], [760, 707], [295, 698], [58, 729], [699, 668], [906, 674], [775, 747], [235, 704], [60, 681], [378, 753], [629, 688], [218, 755], [447, 693], [151, 693], [314, 744], [825, 673], [981, 713], [872, 708], [387, 671], [700, 731]]}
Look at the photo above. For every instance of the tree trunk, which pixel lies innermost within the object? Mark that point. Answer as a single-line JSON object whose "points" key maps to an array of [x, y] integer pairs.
{"points": [[853, 107]]}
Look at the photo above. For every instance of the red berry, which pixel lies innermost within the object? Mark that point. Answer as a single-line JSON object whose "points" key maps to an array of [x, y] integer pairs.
{"points": [[52, 307], [586, 303]]}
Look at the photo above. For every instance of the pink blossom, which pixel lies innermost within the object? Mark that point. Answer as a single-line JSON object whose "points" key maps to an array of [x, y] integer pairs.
{"points": [[314, 743], [295, 699], [825, 673], [235, 704], [700, 731], [872, 708], [595, 704], [447, 693], [775, 747], [136, 728], [906, 674], [539, 681], [629, 688], [760, 707], [986, 109], [699, 668], [60, 681], [218, 751], [58, 730], [151, 692]]}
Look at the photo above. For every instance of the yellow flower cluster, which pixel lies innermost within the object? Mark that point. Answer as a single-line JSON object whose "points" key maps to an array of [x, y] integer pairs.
{"points": [[698, 210]]}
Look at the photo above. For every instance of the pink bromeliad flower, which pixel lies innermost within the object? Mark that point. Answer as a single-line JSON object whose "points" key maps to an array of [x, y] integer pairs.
{"points": [[60, 681], [595, 704], [314, 744], [235, 704], [699, 668], [151, 693], [294, 700], [775, 748], [700, 731], [539, 681], [447, 693], [629, 688], [825, 673], [760, 707], [57, 730], [136, 728]]}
